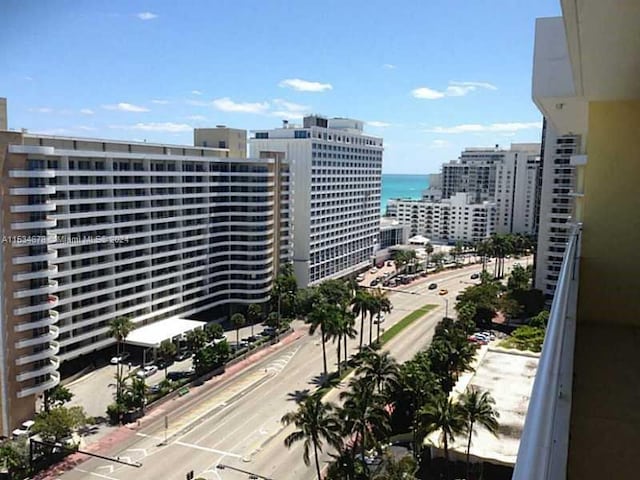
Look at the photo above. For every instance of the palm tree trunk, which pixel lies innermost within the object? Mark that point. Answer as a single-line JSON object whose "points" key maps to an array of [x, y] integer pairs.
{"points": [[446, 457], [238, 338], [378, 330], [345, 349], [339, 358], [469, 449], [370, 329], [361, 329], [315, 453], [324, 352]]}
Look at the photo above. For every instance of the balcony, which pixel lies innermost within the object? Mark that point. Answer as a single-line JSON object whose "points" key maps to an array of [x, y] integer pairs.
{"points": [[42, 257], [51, 286], [46, 338], [52, 367], [48, 222], [50, 352], [52, 302], [52, 319], [32, 173], [46, 272], [46, 206], [41, 387], [48, 190], [544, 444]]}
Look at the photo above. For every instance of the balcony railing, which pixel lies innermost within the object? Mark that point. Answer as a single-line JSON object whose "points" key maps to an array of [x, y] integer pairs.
{"points": [[544, 443]]}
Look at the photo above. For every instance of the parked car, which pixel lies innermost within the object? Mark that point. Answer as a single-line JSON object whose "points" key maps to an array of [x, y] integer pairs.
{"points": [[433, 286], [373, 270], [443, 291], [251, 339], [147, 371], [183, 355], [386, 283], [162, 363], [268, 332], [24, 430], [390, 263], [379, 319], [155, 388], [475, 276], [120, 358], [374, 282], [392, 282], [177, 375], [380, 264], [360, 278]]}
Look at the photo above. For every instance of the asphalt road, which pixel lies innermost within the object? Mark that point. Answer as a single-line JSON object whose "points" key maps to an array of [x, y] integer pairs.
{"points": [[238, 422]]}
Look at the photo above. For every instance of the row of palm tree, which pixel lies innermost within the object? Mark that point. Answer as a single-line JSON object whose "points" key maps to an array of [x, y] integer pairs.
{"points": [[417, 390], [501, 245]]}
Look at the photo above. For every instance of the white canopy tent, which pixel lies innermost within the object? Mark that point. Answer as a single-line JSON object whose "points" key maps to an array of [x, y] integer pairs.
{"points": [[152, 335], [418, 240]]}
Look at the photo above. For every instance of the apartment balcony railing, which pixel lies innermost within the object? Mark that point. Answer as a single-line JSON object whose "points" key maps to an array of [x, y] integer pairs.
{"points": [[544, 443]]}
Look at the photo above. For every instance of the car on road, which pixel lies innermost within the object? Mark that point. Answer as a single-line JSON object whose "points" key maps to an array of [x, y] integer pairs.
{"points": [[360, 278], [24, 430], [120, 358], [386, 283], [475, 276], [373, 270], [250, 339], [433, 286], [374, 282], [162, 363], [379, 319], [183, 355], [146, 371], [392, 282], [390, 263], [155, 388], [177, 375], [443, 291]]}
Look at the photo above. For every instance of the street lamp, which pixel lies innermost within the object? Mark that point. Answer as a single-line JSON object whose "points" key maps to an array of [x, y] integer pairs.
{"points": [[446, 307]]}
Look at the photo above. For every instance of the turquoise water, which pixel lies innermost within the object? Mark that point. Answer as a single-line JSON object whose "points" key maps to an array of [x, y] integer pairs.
{"points": [[402, 186]]}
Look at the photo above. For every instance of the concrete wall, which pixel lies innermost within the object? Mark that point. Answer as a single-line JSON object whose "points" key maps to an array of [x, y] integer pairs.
{"points": [[611, 216]]}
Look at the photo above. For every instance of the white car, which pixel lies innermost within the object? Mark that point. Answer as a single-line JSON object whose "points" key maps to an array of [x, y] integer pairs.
{"points": [[120, 358], [360, 278], [379, 319], [373, 270], [147, 371], [25, 429]]}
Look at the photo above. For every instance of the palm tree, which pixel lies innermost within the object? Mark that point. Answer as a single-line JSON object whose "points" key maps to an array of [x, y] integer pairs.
{"points": [[167, 351], [428, 248], [363, 413], [196, 339], [340, 328], [120, 328], [478, 408], [361, 304], [238, 321], [321, 317], [316, 423], [445, 416], [403, 469], [254, 313], [381, 368], [382, 305]]}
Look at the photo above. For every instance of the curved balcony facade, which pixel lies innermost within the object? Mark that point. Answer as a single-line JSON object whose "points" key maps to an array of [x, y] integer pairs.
{"points": [[49, 222], [54, 379], [32, 173], [46, 338], [49, 303], [51, 367], [46, 206], [51, 254], [48, 190], [51, 319], [50, 287], [49, 352], [44, 273]]}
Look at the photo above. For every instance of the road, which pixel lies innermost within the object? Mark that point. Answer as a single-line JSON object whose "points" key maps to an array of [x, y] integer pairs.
{"points": [[238, 422]]}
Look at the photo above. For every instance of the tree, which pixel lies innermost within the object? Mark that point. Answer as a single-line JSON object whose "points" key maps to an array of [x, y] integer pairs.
{"points": [[345, 467], [478, 409], [135, 397], [56, 397], [363, 416], [196, 339], [447, 417], [402, 469], [381, 369], [58, 423], [254, 314], [167, 352], [380, 304], [15, 458], [540, 320], [120, 328], [428, 248], [322, 316], [283, 292], [211, 357], [526, 338], [519, 279], [238, 321], [361, 304], [214, 331], [340, 328], [438, 259], [316, 423]]}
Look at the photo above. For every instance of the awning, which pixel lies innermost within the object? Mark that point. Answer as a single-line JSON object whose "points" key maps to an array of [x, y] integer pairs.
{"points": [[154, 334]]}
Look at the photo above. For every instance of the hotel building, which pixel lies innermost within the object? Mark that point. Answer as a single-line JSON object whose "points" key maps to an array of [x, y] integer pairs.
{"points": [[99, 229], [336, 170]]}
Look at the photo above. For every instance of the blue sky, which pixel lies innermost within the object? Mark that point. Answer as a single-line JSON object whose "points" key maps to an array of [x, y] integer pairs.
{"points": [[431, 77]]}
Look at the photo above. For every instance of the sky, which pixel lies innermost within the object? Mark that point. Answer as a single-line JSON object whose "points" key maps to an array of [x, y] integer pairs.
{"points": [[431, 77]]}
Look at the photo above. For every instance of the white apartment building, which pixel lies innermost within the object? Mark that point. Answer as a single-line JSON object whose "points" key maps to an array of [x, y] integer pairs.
{"points": [[336, 171], [449, 220], [506, 177], [556, 206], [98, 229]]}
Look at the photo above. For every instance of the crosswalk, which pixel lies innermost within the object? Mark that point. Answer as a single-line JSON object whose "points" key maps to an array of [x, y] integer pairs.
{"points": [[281, 362]]}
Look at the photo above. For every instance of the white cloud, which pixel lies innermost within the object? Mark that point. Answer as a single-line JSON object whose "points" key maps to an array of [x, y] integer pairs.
{"points": [[439, 143], [165, 127], [196, 117], [146, 16], [289, 110], [159, 102], [492, 127], [85, 128], [454, 89], [305, 85], [227, 105], [389, 66], [125, 107], [41, 110], [86, 111], [426, 93], [375, 123], [196, 92]]}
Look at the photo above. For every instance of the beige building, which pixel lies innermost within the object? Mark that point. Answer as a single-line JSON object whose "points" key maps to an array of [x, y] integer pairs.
{"points": [[233, 139], [3, 113], [97, 229]]}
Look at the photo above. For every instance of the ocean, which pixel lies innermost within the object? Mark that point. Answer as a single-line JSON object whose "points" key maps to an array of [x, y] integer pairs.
{"points": [[402, 186]]}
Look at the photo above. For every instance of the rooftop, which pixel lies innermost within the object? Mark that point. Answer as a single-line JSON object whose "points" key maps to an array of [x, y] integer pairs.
{"points": [[154, 334]]}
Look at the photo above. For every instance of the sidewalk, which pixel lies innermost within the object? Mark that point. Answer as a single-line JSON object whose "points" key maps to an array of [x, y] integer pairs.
{"points": [[104, 443]]}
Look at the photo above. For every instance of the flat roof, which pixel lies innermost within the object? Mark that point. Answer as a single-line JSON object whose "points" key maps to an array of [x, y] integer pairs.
{"points": [[154, 334], [508, 376]]}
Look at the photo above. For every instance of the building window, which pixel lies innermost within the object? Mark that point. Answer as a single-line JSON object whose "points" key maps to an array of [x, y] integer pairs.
{"points": [[300, 134], [262, 135]]}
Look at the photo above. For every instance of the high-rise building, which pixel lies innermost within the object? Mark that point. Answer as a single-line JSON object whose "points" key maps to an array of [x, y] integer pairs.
{"points": [[98, 229], [336, 170], [449, 220], [582, 421], [556, 207], [233, 139], [3, 113], [506, 177]]}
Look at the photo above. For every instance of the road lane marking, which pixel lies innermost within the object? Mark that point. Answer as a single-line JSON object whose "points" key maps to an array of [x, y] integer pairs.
{"points": [[207, 449], [99, 475]]}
